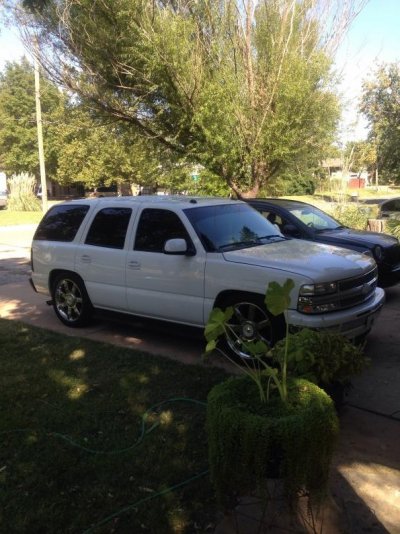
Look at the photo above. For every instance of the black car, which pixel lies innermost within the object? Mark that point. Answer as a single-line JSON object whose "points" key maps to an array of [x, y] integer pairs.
{"points": [[389, 208], [304, 221]]}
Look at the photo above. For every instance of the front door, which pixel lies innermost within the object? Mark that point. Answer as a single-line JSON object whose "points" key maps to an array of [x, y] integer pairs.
{"points": [[161, 285]]}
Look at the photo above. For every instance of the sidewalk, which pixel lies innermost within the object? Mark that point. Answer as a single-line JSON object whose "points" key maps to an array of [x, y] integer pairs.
{"points": [[365, 481]]}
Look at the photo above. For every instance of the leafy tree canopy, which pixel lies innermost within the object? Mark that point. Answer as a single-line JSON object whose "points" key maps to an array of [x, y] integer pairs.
{"points": [[360, 156], [241, 88], [81, 145], [381, 105], [18, 132], [94, 150]]}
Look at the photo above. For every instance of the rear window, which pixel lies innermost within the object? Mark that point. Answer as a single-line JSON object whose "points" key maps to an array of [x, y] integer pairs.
{"points": [[61, 223]]}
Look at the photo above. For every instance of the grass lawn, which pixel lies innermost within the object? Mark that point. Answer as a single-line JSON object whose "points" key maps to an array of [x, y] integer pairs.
{"points": [[10, 218], [71, 457]]}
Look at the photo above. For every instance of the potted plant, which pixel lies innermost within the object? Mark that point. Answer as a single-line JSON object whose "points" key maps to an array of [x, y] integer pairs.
{"points": [[267, 423]]}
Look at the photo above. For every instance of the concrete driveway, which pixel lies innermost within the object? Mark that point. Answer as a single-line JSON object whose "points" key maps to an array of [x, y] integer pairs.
{"points": [[365, 482]]}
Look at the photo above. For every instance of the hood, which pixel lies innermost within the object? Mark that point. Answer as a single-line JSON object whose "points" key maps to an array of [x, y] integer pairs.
{"points": [[360, 238], [321, 263]]}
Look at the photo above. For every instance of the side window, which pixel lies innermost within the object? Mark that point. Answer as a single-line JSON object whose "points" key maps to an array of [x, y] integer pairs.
{"points": [[389, 206], [61, 223], [393, 205], [155, 227], [274, 218], [108, 228]]}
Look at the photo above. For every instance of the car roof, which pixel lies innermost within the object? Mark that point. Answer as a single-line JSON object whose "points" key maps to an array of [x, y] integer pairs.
{"points": [[160, 200], [384, 202], [283, 202]]}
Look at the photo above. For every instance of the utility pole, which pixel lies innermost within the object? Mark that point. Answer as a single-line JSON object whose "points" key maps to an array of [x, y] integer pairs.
{"points": [[43, 182]]}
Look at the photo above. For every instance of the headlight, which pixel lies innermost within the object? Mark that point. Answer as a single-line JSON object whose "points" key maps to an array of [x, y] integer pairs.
{"points": [[318, 289], [378, 253], [312, 298]]}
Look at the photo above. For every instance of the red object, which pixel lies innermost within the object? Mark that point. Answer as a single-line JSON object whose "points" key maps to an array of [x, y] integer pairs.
{"points": [[356, 183]]}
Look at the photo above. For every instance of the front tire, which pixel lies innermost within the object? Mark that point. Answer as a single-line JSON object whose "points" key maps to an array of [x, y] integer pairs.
{"points": [[71, 302], [251, 322]]}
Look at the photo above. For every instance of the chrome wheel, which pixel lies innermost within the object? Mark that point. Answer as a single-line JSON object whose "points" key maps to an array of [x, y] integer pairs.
{"points": [[249, 323], [70, 300]]}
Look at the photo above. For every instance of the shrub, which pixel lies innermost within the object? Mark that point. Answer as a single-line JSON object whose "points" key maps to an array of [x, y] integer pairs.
{"points": [[350, 215], [393, 227], [21, 193], [322, 357], [250, 441]]}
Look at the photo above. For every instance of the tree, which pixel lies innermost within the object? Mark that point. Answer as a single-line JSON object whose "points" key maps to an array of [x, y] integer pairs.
{"points": [[93, 150], [242, 89], [381, 105], [360, 156], [80, 145], [18, 134]]}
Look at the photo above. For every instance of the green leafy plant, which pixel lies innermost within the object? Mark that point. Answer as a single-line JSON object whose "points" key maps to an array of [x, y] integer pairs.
{"points": [[351, 215], [277, 300], [321, 357], [393, 227], [325, 358], [253, 435]]}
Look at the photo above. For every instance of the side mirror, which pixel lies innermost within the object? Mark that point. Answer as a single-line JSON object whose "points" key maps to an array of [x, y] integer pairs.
{"points": [[291, 230], [177, 247]]}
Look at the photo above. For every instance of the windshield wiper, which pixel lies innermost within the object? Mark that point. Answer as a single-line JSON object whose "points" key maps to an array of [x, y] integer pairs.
{"points": [[330, 229], [238, 244], [245, 244], [269, 237]]}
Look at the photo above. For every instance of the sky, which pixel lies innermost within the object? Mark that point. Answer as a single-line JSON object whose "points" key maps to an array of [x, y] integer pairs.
{"points": [[374, 38]]}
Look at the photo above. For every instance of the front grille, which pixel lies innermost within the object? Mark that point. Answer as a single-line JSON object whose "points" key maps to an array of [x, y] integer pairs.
{"points": [[355, 291], [351, 292], [351, 283]]}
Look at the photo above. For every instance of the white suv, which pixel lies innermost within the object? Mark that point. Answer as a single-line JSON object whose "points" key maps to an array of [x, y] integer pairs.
{"points": [[175, 258]]}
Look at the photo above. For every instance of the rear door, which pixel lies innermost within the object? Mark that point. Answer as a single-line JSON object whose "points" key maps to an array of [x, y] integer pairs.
{"points": [[101, 257]]}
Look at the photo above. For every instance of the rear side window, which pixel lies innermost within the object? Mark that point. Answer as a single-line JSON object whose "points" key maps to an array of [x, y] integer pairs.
{"points": [[393, 205], [109, 227], [61, 223]]}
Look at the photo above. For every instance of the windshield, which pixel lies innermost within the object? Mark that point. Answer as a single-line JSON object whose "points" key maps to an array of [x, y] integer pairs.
{"points": [[226, 227], [314, 217]]}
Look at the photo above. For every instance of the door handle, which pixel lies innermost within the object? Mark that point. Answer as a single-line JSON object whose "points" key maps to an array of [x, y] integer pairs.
{"points": [[135, 265], [86, 259]]}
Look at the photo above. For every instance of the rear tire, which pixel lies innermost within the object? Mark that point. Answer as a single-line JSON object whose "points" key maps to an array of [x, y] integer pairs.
{"points": [[251, 322], [71, 302]]}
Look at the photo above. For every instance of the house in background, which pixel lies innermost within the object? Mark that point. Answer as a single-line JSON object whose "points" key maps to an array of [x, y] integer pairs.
{"points": [[335, 169]]}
